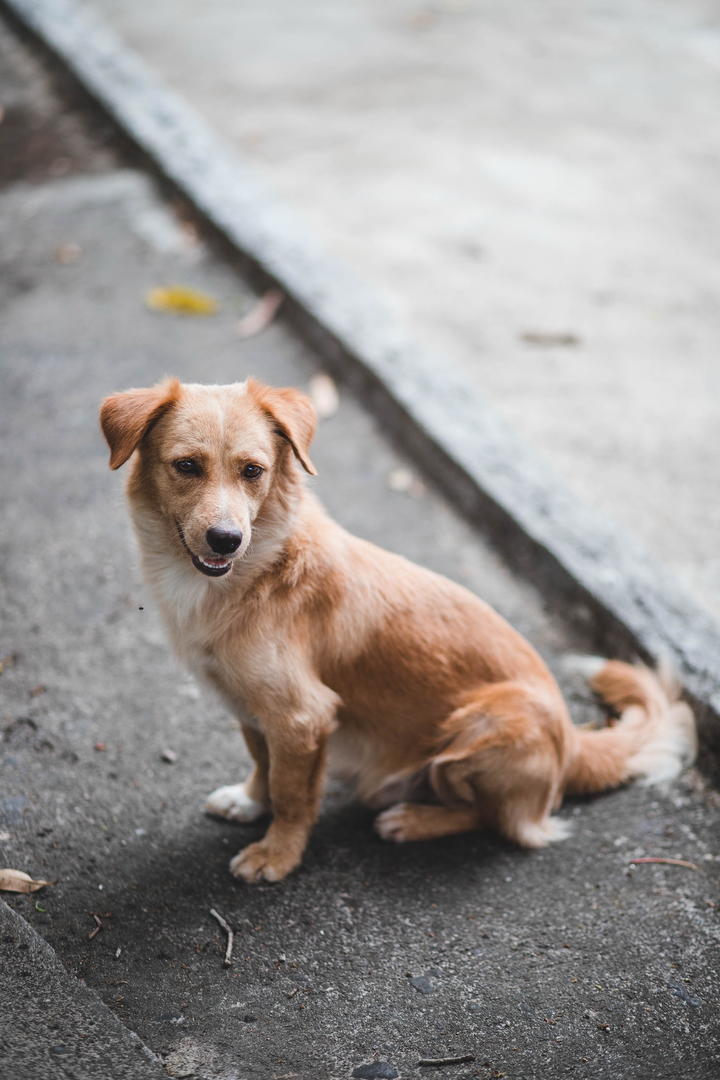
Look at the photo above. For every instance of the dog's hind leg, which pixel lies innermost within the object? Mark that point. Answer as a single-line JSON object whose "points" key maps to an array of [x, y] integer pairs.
{"points": [[419, 821], [250, 800], [504, 759]]}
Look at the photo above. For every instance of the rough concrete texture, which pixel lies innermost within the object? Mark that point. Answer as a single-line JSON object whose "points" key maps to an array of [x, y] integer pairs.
{"points": [[53, 1026], [502, 171], [564, 962]]}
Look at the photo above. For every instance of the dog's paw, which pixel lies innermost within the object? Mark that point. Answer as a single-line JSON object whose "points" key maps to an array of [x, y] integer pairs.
{"points": [[398, 823], [263, 861], [234, 803]]}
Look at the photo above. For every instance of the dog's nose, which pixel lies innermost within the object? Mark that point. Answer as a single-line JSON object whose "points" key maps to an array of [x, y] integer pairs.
{"points": [[223, 541]]}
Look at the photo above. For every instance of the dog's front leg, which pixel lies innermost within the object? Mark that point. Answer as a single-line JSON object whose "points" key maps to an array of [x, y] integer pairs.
{"points": [[249, 800], [297, 750]]}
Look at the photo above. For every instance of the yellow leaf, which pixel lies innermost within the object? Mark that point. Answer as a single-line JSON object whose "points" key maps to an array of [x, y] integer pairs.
{"points": [[178, 298], [18, 881]]}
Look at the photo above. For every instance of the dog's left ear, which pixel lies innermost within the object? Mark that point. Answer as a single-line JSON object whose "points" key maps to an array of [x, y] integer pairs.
{"points": [[126, 417], [293, 415]]}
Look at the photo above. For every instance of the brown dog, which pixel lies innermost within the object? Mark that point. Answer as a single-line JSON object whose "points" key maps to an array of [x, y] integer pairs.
{"points": [[325, 644]]}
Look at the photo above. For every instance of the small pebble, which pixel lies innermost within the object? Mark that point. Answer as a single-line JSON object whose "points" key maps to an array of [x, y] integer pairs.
{"points": [[376, 1070], [170, 756]]}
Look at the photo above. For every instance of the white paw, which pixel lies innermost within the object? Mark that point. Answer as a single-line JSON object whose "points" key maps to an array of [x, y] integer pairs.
{"points": [[233, 802], [538, 834], [393, 824], [584, 665]]}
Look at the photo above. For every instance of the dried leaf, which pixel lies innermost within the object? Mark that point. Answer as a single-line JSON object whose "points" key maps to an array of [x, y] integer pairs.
{"points": [[404, 480], [324, 395], [67, 253], [20, 882], [180, 299], [260, 317], [422, 20], [97, 927], [549, 338], [400, 479]]}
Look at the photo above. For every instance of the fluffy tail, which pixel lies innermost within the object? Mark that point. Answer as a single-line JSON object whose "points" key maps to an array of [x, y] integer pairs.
{"points": [[654, 739]]}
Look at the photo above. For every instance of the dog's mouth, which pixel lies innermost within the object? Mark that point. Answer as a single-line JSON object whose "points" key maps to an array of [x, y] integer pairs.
{"points": [[211, 565]]}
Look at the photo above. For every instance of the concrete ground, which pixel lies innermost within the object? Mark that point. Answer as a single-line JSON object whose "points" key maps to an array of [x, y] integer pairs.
{"points": [[566, 962], [507, 174]]}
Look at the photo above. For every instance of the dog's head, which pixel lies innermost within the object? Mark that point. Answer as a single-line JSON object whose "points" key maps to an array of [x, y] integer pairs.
{"points": [[210, 459]]}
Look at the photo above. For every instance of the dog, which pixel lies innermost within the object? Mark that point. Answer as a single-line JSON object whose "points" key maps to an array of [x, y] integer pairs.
{"points": [[335, 653]]}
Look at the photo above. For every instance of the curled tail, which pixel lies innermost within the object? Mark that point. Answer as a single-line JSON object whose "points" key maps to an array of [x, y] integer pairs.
{"points": [[653, 740]]}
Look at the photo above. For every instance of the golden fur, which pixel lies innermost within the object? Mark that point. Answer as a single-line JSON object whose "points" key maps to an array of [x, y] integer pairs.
{"points": [[327, 646]]}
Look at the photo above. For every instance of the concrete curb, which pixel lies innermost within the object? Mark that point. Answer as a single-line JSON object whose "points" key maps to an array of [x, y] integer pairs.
{"points": [[584, 566], [52, 1024]]}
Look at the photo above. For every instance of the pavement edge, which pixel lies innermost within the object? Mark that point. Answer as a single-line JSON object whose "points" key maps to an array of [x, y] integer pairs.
{"points": [[52, 1022], [589, 571]]}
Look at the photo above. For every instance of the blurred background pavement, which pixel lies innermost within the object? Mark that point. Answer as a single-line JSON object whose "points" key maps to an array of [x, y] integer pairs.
{"points": [[534, 189]]}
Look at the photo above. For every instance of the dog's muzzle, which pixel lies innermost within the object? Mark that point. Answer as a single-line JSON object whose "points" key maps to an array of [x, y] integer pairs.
{"points": [[213, 565]]}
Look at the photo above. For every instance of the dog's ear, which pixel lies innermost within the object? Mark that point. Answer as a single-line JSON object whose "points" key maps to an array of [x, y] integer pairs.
{"points": [[125, 417], [292, 414]]}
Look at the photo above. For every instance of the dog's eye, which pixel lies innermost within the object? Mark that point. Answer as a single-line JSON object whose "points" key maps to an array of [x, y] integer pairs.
{"points": [[251, 472], [187, 466]]}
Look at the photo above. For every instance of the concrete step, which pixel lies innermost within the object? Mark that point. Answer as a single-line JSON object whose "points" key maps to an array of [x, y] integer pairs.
{"points": [[53, 1025]]}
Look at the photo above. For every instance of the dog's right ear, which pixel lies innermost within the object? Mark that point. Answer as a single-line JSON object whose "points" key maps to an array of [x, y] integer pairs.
{"points": [[126, 417]]}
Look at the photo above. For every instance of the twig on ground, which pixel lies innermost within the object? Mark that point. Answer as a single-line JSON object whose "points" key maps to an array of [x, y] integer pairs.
{"points": [[668, 862], [227, 960], [97, 928], [459, 1060]]}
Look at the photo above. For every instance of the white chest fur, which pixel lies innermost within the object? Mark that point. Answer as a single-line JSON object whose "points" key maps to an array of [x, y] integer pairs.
{"points": [[205, 623]]}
